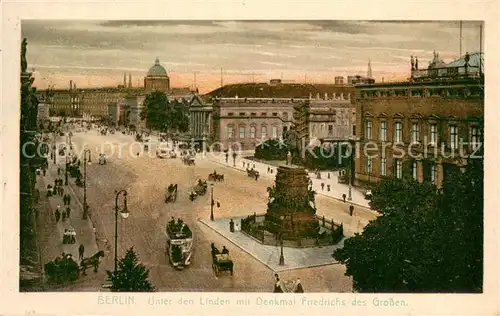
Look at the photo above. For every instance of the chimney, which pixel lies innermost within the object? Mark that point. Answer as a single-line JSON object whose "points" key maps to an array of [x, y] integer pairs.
{"points": [[130, 80], [124, 79], [326, 96], [74, 85]]}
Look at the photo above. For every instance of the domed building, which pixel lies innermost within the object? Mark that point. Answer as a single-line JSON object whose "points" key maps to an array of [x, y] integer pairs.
{"points": [[157, 78]]}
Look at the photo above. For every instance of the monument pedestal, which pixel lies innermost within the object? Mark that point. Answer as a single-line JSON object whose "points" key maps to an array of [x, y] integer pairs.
{"points": [[291, 210]]}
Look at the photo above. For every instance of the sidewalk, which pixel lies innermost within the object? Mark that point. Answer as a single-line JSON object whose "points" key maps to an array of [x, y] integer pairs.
{"points": [[295, 258], [83, 228], [336, 189]]}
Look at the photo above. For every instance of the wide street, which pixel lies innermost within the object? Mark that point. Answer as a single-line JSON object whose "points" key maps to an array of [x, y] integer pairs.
{"points": [[146, 177]]}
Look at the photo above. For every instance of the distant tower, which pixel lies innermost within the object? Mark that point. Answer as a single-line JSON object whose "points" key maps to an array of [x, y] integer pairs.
{"points": [[130, 80], [124, 79], [369, 74]]}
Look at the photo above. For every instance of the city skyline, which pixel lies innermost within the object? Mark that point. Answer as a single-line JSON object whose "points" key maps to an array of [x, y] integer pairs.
{"points": [[97, 53]]}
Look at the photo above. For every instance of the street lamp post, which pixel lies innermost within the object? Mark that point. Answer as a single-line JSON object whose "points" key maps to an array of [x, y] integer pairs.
{"points": [[125, 213], [212, 202], [85, 206], [282, 257]]}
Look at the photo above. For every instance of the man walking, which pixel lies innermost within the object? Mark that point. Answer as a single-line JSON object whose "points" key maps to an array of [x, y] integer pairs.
{"points": [[81, 250], [344, 196], [351, 209]]}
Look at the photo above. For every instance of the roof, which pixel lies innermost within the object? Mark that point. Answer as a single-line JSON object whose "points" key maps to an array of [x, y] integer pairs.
{"points": [[284, 90], [475, 60], [157, 70]]}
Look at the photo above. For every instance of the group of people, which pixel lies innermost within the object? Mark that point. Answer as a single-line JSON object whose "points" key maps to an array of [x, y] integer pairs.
{"points": [[279, 286], [62, 213], [56, 189], [69, 236]]}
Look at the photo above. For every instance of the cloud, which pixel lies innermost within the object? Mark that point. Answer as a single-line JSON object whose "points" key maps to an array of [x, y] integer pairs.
{"points": [[241, 47]]}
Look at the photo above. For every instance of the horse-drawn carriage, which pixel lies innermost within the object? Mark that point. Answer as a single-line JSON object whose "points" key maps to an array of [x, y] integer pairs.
{"points": [[252, 173], [102, 159], [66, 269], [199, 189], [215, 177], [188, 160], [221, 261], [179, 243], [171, 195]]}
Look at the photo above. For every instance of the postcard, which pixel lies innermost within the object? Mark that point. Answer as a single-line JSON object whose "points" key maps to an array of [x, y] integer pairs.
{"points": [[216, 163]]}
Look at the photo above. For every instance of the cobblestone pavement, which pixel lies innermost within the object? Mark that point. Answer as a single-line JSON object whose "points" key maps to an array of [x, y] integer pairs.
{"points": [[146, 178]]}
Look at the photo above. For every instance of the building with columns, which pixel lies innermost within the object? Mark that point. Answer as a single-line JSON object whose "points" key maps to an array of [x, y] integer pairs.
{"points": [[200, 120], [418, 129]]}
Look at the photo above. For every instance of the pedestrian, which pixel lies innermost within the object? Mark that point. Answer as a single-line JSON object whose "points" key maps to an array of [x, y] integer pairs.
{"points": [[218, 204], [63, 215], [81, 251], [351, 209], [298, 287], [68, 199], [343, 197], [58, 170], [322, 186], [328, 187], [328, 175], [57, 215], [68, 211], [44, 171], [61, 191], [268, 169], [65, 200]]}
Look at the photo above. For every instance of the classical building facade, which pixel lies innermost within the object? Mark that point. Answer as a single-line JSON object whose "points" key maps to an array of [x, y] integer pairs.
{"points": [[243, 123], [200, 120], [418, 129], [330, 119], [77, 102]]}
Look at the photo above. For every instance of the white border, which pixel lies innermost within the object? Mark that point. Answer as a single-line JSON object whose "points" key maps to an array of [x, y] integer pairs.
{"points": [[11, 302]]}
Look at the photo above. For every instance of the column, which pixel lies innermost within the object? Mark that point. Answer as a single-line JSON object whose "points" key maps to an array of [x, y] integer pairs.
{"points": [[420, 171], [439, 176]]}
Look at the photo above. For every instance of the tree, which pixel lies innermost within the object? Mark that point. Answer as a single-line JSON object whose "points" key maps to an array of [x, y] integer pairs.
{"points": [[426, 240], [131, 276], [163, 115], [154, 111]]}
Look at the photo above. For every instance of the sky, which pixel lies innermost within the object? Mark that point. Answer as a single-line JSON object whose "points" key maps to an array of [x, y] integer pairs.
{"points": [[97, 53]]}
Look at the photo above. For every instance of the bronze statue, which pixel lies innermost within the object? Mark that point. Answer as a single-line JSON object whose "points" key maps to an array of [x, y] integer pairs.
{"points": [[24, 63]]}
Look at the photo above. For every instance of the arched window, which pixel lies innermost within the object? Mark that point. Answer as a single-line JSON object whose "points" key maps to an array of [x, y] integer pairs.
{"points": [[263, 132]]}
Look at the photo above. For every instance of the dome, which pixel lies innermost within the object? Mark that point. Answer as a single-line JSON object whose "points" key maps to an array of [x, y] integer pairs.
{"points": [[157, 70]]}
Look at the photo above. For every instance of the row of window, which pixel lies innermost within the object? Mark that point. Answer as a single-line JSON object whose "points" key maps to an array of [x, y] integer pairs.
{"points": [[275, 114], [251, 132], [474, 133], [398, 169]]}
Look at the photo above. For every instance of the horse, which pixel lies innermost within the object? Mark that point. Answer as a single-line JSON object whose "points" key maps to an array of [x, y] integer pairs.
{"points": [[93, 261]]}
